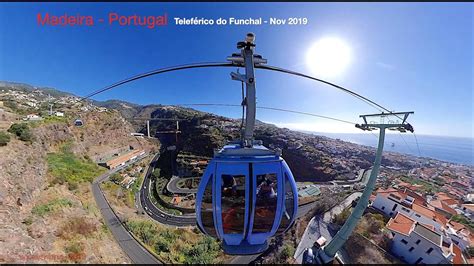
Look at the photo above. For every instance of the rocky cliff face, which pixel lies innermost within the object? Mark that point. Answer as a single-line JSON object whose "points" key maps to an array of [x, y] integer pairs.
{"points": [[38, 218]]}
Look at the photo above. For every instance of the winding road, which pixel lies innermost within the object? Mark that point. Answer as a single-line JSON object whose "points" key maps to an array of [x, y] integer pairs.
{"points": [[172, 185], [134, 250], [153, 211]]}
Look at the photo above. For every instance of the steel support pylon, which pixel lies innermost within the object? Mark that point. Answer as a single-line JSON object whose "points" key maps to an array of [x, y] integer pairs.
{"points": [[326, 253]]}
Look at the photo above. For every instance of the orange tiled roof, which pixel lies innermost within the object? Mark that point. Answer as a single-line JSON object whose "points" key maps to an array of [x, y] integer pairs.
{"points": [[448, 209], [123, 158], [451, 201], [440, 218], [401, 224], [444, 197], [423, 210], [457, 259], [443, 206], [436, 203]]}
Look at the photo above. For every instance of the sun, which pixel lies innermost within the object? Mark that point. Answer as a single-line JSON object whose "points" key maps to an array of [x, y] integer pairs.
{"points": [[328, 57]]}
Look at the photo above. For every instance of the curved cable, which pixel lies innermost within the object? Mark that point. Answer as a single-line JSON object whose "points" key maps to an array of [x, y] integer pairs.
{"points": [[158, 71], [230, 64], [305, 113], [374, 104], [268, 108], [418, 146]]}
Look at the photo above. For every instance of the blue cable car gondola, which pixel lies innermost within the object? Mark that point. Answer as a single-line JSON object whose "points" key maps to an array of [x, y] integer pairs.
{"points": [[246, 196], [247, 193]]}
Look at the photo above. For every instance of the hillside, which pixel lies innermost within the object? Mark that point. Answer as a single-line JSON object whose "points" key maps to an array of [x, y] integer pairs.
{"points": [[48, 212]]}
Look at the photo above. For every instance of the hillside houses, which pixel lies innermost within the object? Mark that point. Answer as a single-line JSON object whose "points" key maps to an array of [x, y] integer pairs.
{"points": [[421, 229], [34, 99], [416, 243]]}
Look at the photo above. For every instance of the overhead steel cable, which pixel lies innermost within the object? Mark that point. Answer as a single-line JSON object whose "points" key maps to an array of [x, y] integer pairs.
{"points": [[368, 101], [159, 71], [416, 140], [230, 64], [267, 108], [408, 146], [305, 113]]}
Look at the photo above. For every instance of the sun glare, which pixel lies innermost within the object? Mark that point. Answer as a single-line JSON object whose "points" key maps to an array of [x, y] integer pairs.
{"points": [[328, 57]]}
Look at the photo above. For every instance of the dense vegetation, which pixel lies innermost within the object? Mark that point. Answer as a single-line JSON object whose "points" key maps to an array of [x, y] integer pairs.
{"points": [[157, 193], [66, 168], [22, 131], [369, 226], [4, 138], [53, 205], [175, 245]]}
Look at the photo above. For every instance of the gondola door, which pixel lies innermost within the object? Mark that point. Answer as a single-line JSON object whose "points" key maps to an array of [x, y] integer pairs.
{"points": [[232, 201], [267, 199]]}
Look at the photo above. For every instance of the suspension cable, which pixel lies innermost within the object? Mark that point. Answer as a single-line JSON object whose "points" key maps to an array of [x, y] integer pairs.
{"points": [[416, 140], [268, 108], [158, 71], [400, 134], [366, 100]]}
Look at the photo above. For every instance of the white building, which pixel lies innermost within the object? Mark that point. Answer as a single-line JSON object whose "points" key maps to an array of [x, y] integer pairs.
{"points": [[33, 117], [417, 243], [32, 104], [393, 201], [61, 114]]}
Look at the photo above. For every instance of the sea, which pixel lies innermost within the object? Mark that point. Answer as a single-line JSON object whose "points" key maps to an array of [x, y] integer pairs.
{"points": [[449, 149]]}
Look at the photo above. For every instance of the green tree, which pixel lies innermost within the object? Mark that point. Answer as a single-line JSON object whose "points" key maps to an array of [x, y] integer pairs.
{"points": [[116, 178], [286, 252], [157, 172], [204, 252], [22, 131], [4, 138]]}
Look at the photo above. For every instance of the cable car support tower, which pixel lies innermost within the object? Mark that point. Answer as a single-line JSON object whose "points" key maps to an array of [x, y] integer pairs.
{"points": [[325, 254]]}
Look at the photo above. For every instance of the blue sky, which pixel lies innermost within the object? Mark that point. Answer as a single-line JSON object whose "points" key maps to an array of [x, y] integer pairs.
{"points": [[405, 56]]}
